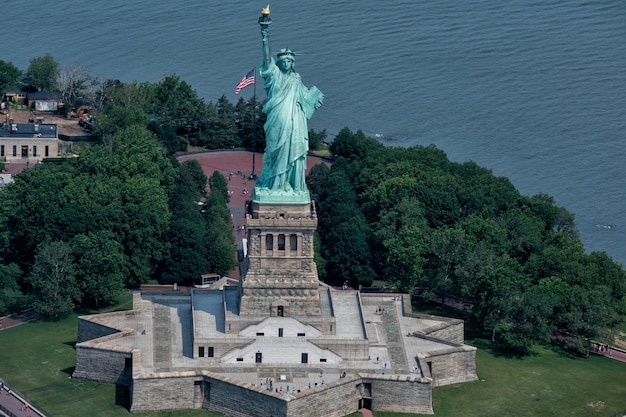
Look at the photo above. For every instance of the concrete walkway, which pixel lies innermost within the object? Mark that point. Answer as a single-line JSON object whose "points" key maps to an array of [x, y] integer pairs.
{"points": [[11, 404]]}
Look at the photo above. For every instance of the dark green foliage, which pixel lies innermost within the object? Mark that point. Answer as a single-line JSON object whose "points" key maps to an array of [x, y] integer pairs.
{"points": [[218, 185], [250, 130], [221, 130], [101, 267], [166, 133], [11, 297], [10, 75], [109, 207], [42, 74], [221, 252], [122, 213], [353, 146], [456, 231], [188, 235], [343, 231], [175, 103], [316, 139], [53, 279], [118, 119], [317, 178]]}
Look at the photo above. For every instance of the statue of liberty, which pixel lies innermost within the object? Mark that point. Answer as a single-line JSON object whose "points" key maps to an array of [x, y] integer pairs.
{"points": [[289, 105]]}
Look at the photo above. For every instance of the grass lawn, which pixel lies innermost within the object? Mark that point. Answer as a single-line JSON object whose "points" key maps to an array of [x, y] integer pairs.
{"points": [[545, 384], [38, 359], [548, 384]]}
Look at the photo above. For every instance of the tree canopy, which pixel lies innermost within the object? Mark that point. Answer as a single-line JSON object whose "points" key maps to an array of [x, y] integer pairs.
{"points": [[415, 221]]}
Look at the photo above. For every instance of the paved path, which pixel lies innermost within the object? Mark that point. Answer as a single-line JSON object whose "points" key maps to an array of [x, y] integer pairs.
{"points": [[7, 322], [12, 404], [612, 353]]}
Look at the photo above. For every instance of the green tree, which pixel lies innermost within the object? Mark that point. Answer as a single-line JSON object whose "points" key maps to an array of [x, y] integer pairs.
{"points": [[448, 247], [42, 73], [11, 296], [222, 129], [175, 103], [250, 130], [482, 192], [494, 283], [344, 231], [119, 118], [32, 212], [218, 185], [114, 93], [100, 267], [400, 244], [353, 146], [316, 139], [10, 75], [221, 251], [188, 235], [525, 232], [166, 133], [53, 279], [316, 180]]}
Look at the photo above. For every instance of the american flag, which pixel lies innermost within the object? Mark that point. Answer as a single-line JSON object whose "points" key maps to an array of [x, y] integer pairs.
{"points": [[247, 80]]}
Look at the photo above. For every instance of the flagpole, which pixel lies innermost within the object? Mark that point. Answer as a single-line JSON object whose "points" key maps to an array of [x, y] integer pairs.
{"points": [[253, 175]]}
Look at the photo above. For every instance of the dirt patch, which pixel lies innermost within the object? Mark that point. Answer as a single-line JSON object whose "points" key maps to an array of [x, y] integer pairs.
{"points": [[597, 405], [68, 127], [620, 340]]}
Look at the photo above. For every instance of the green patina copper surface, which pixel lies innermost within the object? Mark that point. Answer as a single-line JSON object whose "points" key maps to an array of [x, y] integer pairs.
{"points": [[289, 105]]}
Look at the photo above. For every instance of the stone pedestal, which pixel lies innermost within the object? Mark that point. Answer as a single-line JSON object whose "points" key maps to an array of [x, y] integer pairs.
{"points": [[281, 279]]}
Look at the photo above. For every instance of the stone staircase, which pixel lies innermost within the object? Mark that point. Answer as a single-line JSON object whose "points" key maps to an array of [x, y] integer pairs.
{"points": [[345, 306], [395, 347], [161, 337]]}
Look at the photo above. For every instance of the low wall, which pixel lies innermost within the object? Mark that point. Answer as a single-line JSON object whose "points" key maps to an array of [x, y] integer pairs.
{"points": [[450, 366], [205, 390], [400, 393], [347, 349], [100, 365], [89, 330], [169, 391], [335, 399]]}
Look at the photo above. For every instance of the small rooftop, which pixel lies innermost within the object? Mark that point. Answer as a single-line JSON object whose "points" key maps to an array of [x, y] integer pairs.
{"points": [[29, 130]]}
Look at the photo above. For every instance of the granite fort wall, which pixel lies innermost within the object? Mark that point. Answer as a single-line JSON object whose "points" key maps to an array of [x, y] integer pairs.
{"points": [[88, 330], [400, 393], [103, 365], [452, 331], [336, 399], [450, 366], [170, 391], [189, 390]]}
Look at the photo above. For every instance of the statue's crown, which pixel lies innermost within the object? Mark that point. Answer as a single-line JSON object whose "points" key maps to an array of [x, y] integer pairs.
{"points": [[286, 53]]}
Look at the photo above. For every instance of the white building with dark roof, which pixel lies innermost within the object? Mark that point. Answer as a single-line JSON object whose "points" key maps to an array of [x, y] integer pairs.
{"points": [[28, 142]]}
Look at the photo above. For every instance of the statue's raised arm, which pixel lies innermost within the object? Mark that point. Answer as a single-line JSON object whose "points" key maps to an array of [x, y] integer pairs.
{"points": [[264, 22], [289, 105]]}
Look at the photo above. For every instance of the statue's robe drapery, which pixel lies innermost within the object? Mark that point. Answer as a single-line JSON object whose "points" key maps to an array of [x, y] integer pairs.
{"points": [[289, 105]]}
